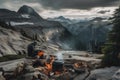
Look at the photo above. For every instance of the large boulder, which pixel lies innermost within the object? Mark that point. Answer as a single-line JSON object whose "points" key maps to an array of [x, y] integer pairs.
{"points": [[82, 76], [116, 76], [103, 73], [1, 76], [12, 42]]}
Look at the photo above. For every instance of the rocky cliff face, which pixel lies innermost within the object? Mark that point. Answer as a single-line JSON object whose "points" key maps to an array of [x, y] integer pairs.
{"points": [[12, 42]]}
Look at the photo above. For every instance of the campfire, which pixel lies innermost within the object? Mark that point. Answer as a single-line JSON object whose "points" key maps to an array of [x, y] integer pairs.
{"points": [[55, 67]]}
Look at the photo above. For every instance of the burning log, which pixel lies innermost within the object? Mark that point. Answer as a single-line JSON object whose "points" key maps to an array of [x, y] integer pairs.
{"points": [[48, 67], [80, 67], [53, 65]]}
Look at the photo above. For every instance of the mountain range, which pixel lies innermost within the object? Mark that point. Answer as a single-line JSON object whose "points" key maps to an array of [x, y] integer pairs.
{"points": [[87, 31], [21, 28]]}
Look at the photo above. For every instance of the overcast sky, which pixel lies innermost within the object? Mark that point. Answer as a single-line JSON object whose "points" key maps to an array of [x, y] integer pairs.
{"points": [[67, 8]]}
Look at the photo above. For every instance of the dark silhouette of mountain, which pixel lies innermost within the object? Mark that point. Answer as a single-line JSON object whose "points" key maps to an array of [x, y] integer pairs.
{"points": [[26, 10], [61, 17], [7, 15]]}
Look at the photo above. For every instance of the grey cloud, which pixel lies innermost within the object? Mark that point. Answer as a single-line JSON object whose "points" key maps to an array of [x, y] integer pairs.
{"points": [[77, 4], [62, 4], [16, 4]]}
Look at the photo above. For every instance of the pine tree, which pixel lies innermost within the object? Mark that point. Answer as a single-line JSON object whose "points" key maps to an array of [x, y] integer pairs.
{"points": [[112, 49]]}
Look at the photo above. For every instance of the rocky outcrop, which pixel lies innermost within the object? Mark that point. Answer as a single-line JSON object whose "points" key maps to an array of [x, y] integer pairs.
{"points": [[116, 76], [12, 42], [103, 74], [1, 77], [111, 73]]}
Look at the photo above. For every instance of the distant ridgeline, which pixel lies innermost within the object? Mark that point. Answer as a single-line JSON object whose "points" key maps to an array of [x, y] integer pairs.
{"points": [[91, 33]]}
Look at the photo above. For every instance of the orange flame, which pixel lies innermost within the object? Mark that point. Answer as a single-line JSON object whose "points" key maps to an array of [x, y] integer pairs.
{"points": [[40, 53], [49, 66]]}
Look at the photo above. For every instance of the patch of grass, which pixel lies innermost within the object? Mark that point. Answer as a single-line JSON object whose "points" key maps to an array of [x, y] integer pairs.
{"points": [[11, 57]]}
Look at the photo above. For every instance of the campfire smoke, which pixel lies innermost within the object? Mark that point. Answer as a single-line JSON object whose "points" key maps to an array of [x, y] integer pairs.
{"points": [[59, 56]]}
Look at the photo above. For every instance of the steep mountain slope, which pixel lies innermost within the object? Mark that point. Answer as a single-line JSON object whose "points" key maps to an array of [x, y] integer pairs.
{"points": [[92, 31], [12, 42]]}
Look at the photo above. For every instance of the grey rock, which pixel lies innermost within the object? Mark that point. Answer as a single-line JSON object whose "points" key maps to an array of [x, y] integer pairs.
{"points": [[1, 77], [29, 68], [103, 73], [116, 76], [12, 42], [81, 76]]}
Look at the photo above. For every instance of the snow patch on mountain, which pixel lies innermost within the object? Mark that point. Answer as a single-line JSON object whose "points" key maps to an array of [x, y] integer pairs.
{"points": [[21, 23], [25, 16]]}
